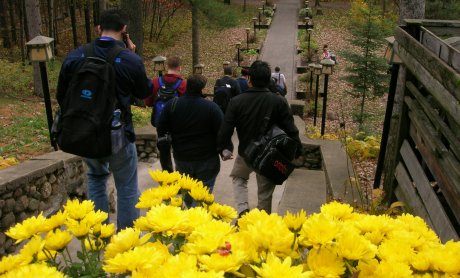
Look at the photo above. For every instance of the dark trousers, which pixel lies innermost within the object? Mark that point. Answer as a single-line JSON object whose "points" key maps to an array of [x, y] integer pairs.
{"points": [[165, 157]]}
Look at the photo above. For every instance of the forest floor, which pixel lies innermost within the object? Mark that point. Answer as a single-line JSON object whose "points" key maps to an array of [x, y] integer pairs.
{"points": [[23, 127]]}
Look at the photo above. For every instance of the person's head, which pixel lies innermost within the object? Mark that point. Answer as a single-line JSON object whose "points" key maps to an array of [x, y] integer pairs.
{"points": [[260, 74], [228, 71], [277, 69], [113, 20], [173, 63], [196, 83], [244, 72], [325, 47]]}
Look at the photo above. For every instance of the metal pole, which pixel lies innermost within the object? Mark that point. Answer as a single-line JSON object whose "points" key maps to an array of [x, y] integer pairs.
{"points": [[238, 56], [309, 35], [316, 100], [46, 95], [247, 40], [323, 118], [160, 73], [311, 84], [259, 18], [386, 124]]}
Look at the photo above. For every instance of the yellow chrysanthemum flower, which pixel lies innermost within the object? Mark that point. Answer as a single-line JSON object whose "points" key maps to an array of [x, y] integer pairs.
{"points": [[78, 210], [243, 241], [367, 268], [26, 229], [96, 217], [228, 261], [446, 258], [200, 193], [155, 196], [93, 244], [32, 248], [56, 221], [295, 221], [57, 240], [277, 239], [147, 256], [164, 220], [197, 216], [164, 177], [352, 246], [186, 182], [337, 210], [386, 269], [208, 237], [176, 202], [103, 230], [78, 228], [325, 263], [177, 266], [393, 250], [8, 263], [421, 261], [274, 267], [34, 270], [123, 241], [222, 212], [319, 230]]}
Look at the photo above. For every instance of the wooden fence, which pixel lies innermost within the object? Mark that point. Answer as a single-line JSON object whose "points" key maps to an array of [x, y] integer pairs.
{"points": [[422, 162]]}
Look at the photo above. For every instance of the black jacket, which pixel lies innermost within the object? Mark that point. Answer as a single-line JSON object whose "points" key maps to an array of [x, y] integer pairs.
{"points": [[193, 123], [235, 90], [246, 113]]}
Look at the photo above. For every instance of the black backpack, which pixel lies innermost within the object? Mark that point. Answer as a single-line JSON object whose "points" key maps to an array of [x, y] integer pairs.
{"points": [[222, 94], [166, 92], [85, 121]]}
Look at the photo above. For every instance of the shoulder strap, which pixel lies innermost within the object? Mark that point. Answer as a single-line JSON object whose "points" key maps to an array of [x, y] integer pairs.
{"points": [[88, 49], [113, 53], [178, 81], [160, 81]]}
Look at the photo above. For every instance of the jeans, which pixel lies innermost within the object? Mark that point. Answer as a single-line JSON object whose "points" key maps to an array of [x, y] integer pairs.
{"points": [[124, 167], [203, 170], [265, 188]]}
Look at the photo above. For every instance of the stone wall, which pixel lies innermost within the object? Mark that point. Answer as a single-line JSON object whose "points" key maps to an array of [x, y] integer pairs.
{"points": [[41, 184], [44, 183]]}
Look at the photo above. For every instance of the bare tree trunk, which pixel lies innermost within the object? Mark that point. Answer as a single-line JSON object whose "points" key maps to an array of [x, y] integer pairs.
{"points": [[21, 30], [195, 35], [135, 27], [14, 36], [87, 21], [414, 9], [317, 3], [34, 25], [4, 24], [73, 19]]}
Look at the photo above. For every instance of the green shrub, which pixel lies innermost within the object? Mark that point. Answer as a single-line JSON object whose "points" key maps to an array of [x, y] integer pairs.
{"points": [[219, 14]]}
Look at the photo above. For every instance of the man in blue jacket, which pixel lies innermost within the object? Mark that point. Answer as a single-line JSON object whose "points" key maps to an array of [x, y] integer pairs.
{"points": [[131, 80]]}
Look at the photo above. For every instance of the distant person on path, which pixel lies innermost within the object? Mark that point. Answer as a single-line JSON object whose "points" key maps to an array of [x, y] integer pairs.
{"points": [[225, 89], [243, 80], [193, 123], [130, 80], [246, 112], [280, 81], [326, 54], [172, 81]]}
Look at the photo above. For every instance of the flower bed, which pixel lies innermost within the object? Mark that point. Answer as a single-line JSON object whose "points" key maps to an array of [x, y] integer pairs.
{"points": [[173, 241]]}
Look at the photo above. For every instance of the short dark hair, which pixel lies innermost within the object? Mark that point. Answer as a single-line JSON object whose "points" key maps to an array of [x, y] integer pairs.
{"points": [[277, 69], [173, 62], [228, 70], [260, 74], [113, 20], [196, 83], [244, 72]]}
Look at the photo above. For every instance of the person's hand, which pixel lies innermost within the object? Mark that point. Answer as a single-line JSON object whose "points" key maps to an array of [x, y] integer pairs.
{"points": [[226, 155], [129, 43], [298, 161]]}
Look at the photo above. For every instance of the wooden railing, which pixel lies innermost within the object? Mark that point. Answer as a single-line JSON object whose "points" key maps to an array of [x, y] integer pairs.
{"points": [[422, 163]]}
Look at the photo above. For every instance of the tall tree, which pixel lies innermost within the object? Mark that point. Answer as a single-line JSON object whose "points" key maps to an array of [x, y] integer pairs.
{"points": [[5, 33], [414, 9], [136, 25], [367, 70], [34, 25], [195, 33]]}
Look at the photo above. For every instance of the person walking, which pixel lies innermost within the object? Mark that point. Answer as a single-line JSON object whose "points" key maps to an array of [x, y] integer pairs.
{"points": [[170, 85], [243, 80], [280, 81], [225, 88], [246, 112], [130, 81], [193, 123]]}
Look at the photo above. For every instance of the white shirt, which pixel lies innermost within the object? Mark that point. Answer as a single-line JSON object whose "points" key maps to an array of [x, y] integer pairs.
{"points": [[280, 79]]}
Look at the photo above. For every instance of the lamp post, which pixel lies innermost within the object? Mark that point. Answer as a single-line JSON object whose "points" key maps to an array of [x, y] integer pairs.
{"points": [[328, 66], [159, 64], [263, 7], [311, 68], [40, 51], [317, 71], [226, 64], [392, 59], [247, 38], [198, 69], [260, 14], [306, 4], [309, 40], [254, 22], [238, 46]]}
